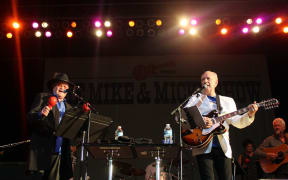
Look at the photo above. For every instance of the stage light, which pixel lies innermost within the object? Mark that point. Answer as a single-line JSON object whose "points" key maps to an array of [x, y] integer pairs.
{"points": [[44, 24], [245, 30], [259, 21], [278, 20], [9, 35], [140, 32], [193, 31], [218, 22], [38, 34], [48, 34], [35, 25], [73, 24], [69, 34], [183, 22], [98, 33], [249, 21], [193, 22], [97, 24], [109, 33], [181, 32], [107, 24], [158, 22], [285, 29], [16, 25], [224, 31], [131, 23], [151, 32], [130, 32], [256, 29]]}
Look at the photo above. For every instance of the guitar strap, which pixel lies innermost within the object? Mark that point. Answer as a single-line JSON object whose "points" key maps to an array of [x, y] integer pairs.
{"points": [[286, 138], [219, 107]]}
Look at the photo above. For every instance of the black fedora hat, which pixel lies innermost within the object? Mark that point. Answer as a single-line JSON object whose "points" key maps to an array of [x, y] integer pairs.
{"points": [[59, 77]]}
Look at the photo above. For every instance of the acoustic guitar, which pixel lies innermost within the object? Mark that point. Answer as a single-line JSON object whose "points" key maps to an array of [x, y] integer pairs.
{"points": [[269, 166], [200, 137]]}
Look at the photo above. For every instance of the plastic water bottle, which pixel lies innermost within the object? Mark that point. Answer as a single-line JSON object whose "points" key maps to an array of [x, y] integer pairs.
{"points": [[168, 135], [118, 132]]}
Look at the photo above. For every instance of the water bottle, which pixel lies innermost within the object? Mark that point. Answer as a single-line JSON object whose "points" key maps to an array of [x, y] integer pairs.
{"points": [[168, 134], [118, 132]]}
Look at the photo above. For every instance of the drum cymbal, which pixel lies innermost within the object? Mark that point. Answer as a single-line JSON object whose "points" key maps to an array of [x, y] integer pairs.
{"points": [[133, 172], [122, 165]]}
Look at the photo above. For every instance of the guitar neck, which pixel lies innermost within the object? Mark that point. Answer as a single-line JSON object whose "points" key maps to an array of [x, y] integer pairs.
{"points": [[221, 119]]}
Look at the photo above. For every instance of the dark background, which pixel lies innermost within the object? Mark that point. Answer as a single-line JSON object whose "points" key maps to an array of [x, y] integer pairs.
{"points": [[34, 51]]}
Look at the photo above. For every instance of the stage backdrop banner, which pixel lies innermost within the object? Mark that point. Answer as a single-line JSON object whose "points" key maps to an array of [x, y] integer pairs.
{"points": [[140, 92]]}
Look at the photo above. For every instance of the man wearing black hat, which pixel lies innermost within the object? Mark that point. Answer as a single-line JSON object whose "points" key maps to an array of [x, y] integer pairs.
{"points": [[48, 153]]}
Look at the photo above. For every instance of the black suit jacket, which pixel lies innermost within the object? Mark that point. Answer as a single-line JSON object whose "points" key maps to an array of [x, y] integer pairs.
{"points": [[43, 139]]}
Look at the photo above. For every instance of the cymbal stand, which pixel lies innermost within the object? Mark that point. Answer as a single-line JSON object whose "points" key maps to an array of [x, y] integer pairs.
{"points": [[157, 155], [110, 153]]}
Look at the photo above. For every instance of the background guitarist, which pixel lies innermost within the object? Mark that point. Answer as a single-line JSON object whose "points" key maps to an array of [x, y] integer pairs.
{"points": [[216, 156], [279, 138]]}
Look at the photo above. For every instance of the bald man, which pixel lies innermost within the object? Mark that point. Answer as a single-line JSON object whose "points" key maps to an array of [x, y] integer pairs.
{"points": [[215, 158]]}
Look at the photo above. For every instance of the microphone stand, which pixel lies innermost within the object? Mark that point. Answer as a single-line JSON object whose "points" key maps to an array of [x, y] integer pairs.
{"points": [[178, 109], [7, 146], [85, 136]]}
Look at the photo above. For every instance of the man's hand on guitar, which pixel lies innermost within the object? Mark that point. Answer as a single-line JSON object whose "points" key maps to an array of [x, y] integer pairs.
{"points": [[253, 108], [208, 122], [271, 156]]}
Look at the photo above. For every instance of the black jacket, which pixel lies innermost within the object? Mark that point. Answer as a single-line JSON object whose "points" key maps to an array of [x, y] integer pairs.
{"points": [[43, 139]]}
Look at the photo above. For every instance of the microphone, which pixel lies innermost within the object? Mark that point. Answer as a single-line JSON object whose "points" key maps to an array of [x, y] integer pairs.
{"points": [[71, 90], [200, 89]]}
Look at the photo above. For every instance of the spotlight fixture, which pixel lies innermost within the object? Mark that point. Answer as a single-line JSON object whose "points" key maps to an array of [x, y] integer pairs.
{"points": [[131, 23], [256, 29], [107, 24], [218, 22], [245, 30], [38, 34], [98, 33], [16, 25], [158, 22], [48, 34], [35, 25], [44, 24], [69, 34], [109, 33], [181, 32], [278, 20], [224, 31], [73, 24], [97, 24], [249, 21], [285, 29], [9, 35]]}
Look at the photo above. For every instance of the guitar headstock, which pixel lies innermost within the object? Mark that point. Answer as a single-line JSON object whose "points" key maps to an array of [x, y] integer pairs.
{"points": [[269, 104]]}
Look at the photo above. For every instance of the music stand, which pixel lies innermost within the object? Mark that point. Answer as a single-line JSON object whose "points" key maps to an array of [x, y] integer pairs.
{"points": [[157, 151], [109, 151], [76, 122], [193, 114]]}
